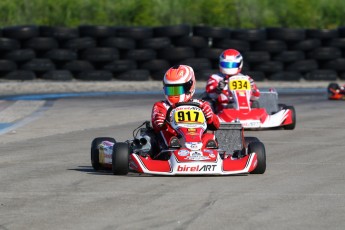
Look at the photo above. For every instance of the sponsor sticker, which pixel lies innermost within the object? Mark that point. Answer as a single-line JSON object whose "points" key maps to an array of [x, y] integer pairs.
{"points": [[183, 152]]}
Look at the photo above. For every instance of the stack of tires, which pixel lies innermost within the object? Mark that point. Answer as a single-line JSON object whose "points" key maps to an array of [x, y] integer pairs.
{"points": [[104, 53]]}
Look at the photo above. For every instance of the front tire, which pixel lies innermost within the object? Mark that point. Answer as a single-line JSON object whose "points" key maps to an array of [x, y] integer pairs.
{"points": [[120, 159], [293, 114], [95, 152], [259, 149]]}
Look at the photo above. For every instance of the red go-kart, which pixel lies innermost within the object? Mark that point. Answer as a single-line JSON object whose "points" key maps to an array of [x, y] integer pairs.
{"points": [[231, 154], [264, 113]]}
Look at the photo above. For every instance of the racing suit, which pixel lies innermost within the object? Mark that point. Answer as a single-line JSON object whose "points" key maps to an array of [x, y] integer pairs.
{"points": [[167, 132], [221, 96]]}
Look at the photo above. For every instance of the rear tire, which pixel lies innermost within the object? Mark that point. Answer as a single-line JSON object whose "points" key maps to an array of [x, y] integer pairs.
{"points": [[95, 153], [293, 124], [120, 159], [249, 140], [259, 149]]}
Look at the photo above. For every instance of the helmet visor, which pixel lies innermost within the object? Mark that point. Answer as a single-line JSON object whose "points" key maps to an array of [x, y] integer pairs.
{"points": [[230, 64], [174, 90]]}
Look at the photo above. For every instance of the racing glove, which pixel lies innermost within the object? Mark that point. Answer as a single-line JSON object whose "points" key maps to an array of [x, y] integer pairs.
{"points": [[206, 109], [220, 87], [159, 119]]}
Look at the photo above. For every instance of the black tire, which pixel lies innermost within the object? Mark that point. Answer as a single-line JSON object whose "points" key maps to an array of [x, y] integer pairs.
{"points": [[21, 55], [176, 53], [341, 31], [7, 66], [155, 43], [289, 56], [39, 65], [249, 34], [322, 34], [336, 64], [119, 66], [293, 125], [211, 32], [100, 54], [136, 33], [322, 75], [272, 46], [120, 159], [306, 45], [256, 56], [286, 76], [78, 66], [269, 67], [58, 75], [135, 75], [336, 42], [41, 43], [96, 31], [249, 140], [172, 31], [192, 41], [259, 149], [79, 43], [95, 75], [285, 34], [61, 55], [140, 54], [95, 153], [21, 75], [325, 53], [9, 44], [197, 63], [155, 65], [59, 32], [303, 66], [204, 74], [210, 53], [120, 43], [20, 32], [239, 45]]}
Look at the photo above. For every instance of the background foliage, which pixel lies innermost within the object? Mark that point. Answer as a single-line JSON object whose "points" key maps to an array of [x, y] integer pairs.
{"points": [[325, 14]]}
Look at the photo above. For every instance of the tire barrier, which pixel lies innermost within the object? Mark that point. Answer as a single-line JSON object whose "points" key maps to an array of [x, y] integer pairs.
{"points": [[105, 53]]}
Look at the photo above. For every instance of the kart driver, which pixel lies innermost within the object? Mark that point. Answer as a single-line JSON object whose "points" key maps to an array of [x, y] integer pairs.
{"points": [[179, 86], [230, 65]]}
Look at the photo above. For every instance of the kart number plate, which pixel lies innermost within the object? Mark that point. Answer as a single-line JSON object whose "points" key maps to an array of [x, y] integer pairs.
{"points": [[189, 116], [240, 84]]}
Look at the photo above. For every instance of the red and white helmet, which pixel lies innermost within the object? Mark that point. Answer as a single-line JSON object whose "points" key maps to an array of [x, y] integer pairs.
{"points": [[179, 84], [230, 62]]}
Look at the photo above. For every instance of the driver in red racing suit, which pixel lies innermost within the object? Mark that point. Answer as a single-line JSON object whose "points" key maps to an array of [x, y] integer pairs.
{"points": [[179, 86], [230, 64]]}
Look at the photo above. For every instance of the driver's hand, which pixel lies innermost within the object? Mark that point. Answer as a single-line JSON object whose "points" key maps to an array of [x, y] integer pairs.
{"points": [[206, 109], [220, 87], [159, 119]]}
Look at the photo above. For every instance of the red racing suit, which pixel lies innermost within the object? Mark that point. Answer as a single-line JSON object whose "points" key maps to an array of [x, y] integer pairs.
{"points": [[167, 132], [223, 98]]}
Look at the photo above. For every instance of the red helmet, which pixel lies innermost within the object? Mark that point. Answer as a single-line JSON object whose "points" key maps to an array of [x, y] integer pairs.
{"points": [[230, 62], [179, 84]]}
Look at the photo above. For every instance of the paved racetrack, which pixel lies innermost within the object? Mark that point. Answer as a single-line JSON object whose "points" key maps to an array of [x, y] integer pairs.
{"points": [[46, 179]]}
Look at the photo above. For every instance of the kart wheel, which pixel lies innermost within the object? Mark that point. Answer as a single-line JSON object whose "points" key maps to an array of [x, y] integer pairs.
{"points": [[259, 149], [120, 158], [95, 153], [293, 124], [249, 140], [281, 106]]}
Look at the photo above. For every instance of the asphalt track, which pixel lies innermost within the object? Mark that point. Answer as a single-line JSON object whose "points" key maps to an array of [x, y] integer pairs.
{"points": [[46, 179]]}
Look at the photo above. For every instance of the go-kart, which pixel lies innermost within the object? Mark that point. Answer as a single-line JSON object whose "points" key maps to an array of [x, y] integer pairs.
{"points": [[335, 91], [260, 114], [231, 154]]}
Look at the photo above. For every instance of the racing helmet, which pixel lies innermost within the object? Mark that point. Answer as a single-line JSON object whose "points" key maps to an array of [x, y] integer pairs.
{"points": [[230, 62], [179, 84]]}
